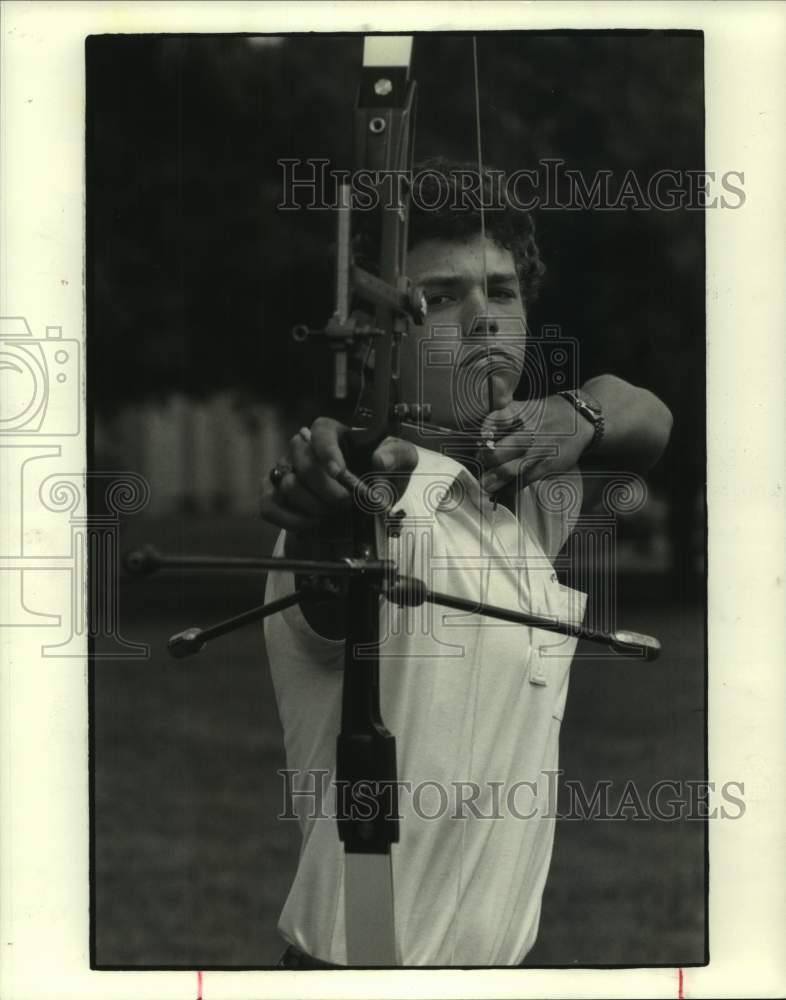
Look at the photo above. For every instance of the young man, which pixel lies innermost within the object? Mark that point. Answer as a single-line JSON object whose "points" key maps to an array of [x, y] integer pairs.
{"points": [[475, 704]]}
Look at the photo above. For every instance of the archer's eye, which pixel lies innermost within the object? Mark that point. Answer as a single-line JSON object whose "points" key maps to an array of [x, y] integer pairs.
{"points": [[506, 294], [437, 300]]}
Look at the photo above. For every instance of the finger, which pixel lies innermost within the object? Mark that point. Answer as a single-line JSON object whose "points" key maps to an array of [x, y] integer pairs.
{"points": [[516, 470], [271, 510], [394, 461], [296, 497], [502, 420], [507, 448], [312, 475], [326, 435]]}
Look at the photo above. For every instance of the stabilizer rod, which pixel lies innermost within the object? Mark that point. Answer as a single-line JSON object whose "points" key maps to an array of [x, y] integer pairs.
{"points": [[410, 591], [147, 560], [191, 640]]}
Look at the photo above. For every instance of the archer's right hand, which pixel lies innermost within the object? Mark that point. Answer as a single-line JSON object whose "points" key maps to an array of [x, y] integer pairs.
{"points": [[309, 499]]}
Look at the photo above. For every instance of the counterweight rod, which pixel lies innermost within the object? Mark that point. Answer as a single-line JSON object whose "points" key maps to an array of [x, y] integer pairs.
{"points": [[191, 640], [623, 641], [409, 591]]}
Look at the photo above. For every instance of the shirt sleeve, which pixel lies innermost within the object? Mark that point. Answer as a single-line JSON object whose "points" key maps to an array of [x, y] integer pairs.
{"points": [[551, 508]]}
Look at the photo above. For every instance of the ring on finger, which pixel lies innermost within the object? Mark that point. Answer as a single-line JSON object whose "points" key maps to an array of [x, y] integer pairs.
{"points": [[277, 474]]}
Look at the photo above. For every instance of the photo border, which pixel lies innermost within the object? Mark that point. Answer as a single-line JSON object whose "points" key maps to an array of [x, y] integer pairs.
{"points": [[44, 701]]}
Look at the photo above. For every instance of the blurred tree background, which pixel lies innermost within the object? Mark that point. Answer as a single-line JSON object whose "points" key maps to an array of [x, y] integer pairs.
{"points": [[195, 278]]}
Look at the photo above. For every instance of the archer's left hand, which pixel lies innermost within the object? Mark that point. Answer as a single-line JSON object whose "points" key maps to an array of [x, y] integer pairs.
{"points": [[552, 439]]}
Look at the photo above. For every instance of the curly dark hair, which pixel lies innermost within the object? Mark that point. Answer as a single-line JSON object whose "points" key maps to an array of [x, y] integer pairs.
{"points": [[455, 190]]}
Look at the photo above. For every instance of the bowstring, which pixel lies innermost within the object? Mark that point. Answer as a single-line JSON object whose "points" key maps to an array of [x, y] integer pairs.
{"points": [[489, 380], [489, 374]]}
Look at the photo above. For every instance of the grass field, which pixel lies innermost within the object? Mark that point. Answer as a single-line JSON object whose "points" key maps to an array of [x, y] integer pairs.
{"points": [[192, 866]]}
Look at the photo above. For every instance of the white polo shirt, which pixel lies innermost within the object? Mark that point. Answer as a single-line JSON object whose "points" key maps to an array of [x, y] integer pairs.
{"points": [[475, 706]]}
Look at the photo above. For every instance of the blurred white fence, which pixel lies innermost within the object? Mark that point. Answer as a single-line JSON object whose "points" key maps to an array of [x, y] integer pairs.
{"points": [[210, 457], [199, 456]]}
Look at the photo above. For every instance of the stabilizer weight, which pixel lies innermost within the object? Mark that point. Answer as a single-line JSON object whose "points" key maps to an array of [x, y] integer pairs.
{"points": [[186, 643]]}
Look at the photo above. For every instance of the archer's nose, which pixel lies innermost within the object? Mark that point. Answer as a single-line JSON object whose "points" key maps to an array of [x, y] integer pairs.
{"points": [[476, 320], [483, 327]]}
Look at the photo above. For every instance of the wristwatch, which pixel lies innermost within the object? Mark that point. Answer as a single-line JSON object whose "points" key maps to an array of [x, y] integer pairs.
{"points": [[590, 409]]}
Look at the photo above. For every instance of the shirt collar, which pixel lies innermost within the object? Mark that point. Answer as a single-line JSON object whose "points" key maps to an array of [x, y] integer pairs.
{"points": [[459, 482]]}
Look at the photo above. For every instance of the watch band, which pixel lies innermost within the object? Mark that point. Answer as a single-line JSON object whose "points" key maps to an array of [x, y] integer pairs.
{"points": [[590, 409]]}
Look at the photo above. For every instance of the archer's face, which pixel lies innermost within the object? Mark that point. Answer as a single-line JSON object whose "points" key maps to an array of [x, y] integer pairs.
{"points": [[466, 337]]}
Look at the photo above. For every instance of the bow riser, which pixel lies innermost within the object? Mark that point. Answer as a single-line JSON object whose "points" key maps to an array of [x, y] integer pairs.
{"points": [[384, 137], [366, 751]]}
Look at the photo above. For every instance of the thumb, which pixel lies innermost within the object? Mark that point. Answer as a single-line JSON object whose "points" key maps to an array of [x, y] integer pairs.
{"points": [[395, 455]]}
